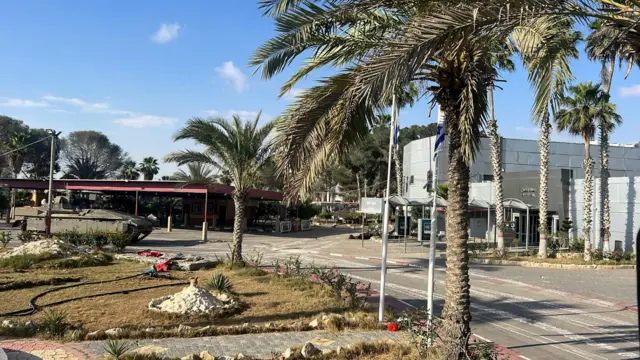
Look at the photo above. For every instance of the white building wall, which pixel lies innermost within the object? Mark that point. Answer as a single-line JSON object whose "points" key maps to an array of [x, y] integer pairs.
{"points": [[625, 211], [517, 155]]}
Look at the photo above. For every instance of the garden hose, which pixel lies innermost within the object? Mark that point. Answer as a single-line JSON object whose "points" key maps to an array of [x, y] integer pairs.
{"points": [[33, 307]]}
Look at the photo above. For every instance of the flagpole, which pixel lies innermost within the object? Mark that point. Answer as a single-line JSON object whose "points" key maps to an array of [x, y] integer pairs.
{"points": [[385, 221], [434, 221]]}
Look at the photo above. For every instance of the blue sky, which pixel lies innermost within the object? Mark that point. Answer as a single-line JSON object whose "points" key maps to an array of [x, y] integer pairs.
{"points": [[137, 70]]}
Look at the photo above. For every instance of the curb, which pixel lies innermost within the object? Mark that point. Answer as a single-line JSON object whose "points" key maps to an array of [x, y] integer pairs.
{"points": [[534, 264]]}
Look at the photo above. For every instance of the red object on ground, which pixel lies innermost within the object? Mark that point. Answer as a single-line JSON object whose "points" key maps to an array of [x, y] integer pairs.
{"points": [[163, 266], [393, 327], [152, 253]]}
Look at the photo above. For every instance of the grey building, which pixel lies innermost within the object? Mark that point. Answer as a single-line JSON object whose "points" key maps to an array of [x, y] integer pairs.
{"points": [[517, 156], [521, 165]]}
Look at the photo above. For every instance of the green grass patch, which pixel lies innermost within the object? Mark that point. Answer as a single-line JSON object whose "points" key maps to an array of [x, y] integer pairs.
{"points": [[24, 261], [85, 260]]}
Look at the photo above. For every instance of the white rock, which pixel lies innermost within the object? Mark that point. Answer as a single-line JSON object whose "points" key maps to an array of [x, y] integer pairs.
{"points": [[326, 351], [30, 325], [240, 356], [203, 329], [191, 300], [184, 328], [94, 335], [226, 358], [206, 356], [339, 350], [55, 247], [190, 357], [287, 354], [9, 324], [245, 325], [309, 350], [314, 323], [150, 329], [114, 332]]}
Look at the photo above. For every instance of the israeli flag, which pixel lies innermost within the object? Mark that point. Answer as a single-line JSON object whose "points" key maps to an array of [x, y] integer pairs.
{"points": [[396, 124], [439, 134]]}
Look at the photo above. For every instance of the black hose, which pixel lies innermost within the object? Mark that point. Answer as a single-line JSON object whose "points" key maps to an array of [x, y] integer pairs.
{"points": [[33, 307]]}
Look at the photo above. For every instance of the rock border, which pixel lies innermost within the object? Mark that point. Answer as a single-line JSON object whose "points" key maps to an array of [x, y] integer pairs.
{"points": [[534, 264]]}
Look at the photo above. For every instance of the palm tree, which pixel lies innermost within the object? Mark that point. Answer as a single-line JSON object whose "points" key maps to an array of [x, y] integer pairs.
{"points": [[129, 171], [500, 59], [606, 43], [234, 146], [196, 173], [549, 73], [383, 46], [16, 145], [580, 115], [149, 167]]}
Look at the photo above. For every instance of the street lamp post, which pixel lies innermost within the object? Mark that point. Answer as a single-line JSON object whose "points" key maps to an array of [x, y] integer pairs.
{"points": [[52, 161]]}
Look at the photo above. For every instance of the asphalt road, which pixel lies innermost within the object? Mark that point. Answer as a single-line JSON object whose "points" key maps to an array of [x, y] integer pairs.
{"points": [[540, 313]]}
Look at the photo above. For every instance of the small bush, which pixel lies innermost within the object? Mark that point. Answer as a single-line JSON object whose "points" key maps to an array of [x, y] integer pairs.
{"points": [[5, 238], [353, 293], [24, 261], [98, 238], [26, 236], [220, 283], [117, 348], [73, 237], [577, 245], [254, 259], [118, 240], [54, 323]]}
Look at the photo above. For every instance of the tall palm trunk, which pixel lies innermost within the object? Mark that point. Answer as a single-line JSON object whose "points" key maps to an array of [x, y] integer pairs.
{"points": [[588, 196], [456, 314], [496, 164], [605, 231], [545, 134], [239, 202]]}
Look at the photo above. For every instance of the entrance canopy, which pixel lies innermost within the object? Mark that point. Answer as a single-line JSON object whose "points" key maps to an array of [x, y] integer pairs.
{"points": [[149, 187]]}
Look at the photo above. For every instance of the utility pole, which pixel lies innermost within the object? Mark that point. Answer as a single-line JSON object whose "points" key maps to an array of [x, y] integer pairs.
{"points": [[52, 161]]}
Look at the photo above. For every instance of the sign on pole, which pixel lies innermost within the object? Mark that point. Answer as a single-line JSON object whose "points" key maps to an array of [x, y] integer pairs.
{"points": [[372, 205]]}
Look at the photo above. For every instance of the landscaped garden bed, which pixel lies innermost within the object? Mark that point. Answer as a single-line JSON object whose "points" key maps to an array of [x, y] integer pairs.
{"points": [[292, 298]]}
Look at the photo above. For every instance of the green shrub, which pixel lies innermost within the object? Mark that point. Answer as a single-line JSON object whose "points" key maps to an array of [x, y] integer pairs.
{"points": [[97, 238], [24, 261], [5, 238], [219, 282], [325, 215], [577, 245], [73, 237], [54, 323], [307, 210], [117, 348], [118, 240], [26, 236]]}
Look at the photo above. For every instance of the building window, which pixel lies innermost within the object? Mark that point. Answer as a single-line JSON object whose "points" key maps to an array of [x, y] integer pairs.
{"points": [[487, 178], [210, 208], [196, 208], [411, 180]]}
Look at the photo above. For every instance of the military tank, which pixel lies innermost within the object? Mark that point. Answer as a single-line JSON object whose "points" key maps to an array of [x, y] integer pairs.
{"points": [[64, 218]]}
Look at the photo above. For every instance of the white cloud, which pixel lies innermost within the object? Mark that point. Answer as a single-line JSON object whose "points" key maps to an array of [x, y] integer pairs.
{"points": [[58, 111], [245, 115], [293, 93], [103, 108], [630, 91], [166, 33], [22, 103], [233, 75], [142, 121]]}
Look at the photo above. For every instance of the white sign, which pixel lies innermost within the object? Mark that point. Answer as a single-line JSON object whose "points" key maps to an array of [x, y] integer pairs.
{"points": [[372, 205]]}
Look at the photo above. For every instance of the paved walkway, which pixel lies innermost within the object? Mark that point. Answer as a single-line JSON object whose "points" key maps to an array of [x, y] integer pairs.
{"points": [[33, 349], [255, 345]]}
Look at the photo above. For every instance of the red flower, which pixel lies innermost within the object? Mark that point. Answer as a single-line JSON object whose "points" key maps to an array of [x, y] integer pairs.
{"points": [[393, 327]]}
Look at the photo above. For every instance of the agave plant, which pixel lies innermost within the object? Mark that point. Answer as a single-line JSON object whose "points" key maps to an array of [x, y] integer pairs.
{"points": [[220, 283], [116, 348]]}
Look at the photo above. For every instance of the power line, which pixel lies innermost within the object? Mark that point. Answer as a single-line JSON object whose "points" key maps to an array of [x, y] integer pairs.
{"points": [[26, 146]]}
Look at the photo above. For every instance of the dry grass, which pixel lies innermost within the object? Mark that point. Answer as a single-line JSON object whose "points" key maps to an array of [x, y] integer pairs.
{"points": [[270, 299]]}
